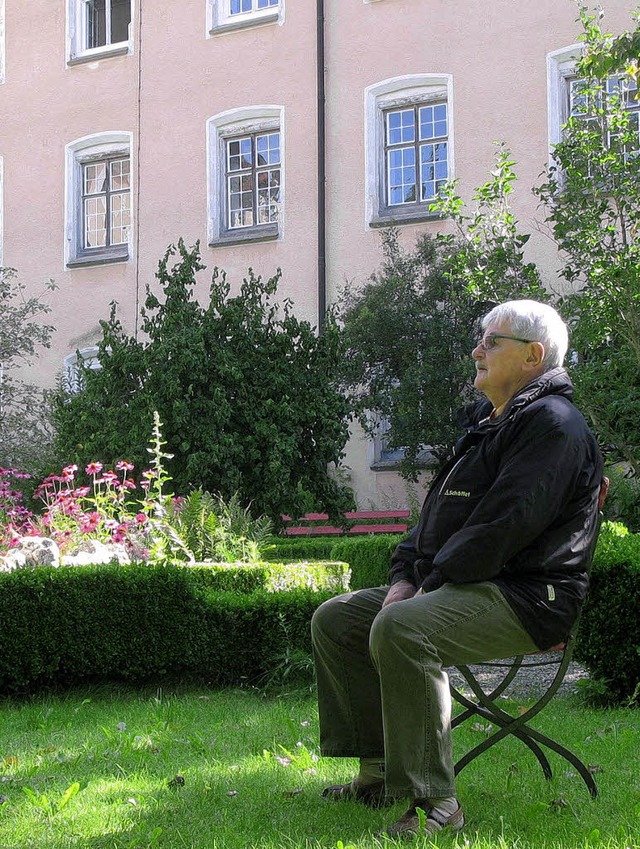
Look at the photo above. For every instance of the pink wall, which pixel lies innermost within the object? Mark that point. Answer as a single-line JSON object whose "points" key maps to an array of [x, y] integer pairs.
{"points": [[177, 77]]}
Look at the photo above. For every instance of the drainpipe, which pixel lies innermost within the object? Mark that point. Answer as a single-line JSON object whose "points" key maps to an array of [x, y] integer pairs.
{"points": [[322, 223]]}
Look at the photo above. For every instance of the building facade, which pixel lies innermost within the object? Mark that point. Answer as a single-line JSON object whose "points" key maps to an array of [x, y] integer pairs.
{"points": [[279, 133]]}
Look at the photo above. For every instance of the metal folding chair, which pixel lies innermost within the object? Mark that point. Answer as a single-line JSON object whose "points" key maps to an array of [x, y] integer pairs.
{"points": [[483, 703]]}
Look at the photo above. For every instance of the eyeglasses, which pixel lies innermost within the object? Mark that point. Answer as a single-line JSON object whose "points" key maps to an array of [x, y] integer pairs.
{"points": [[488, 341]]}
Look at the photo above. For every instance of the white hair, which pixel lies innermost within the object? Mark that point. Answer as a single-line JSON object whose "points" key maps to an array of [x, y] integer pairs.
{"points": [[536, 322]]}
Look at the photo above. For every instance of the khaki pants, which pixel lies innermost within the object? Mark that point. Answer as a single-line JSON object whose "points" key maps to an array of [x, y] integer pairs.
{"points": [[382, 688]]}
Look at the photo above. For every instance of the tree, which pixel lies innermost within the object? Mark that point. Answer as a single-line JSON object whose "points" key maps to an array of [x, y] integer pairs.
{"points": [[410, 330], [246, 392], [24, 425], [592, 195]]}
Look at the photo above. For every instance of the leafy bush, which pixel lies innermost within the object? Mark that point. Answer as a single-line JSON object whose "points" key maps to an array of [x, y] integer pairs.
{"points": [[411, 328], [142, 620], [25, 432], [623, 500], [592, 196], [248, 393], [368, 556], [608, 639]]}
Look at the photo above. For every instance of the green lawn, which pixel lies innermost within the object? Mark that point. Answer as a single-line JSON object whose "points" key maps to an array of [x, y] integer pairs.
{"points": [[113, 767]]}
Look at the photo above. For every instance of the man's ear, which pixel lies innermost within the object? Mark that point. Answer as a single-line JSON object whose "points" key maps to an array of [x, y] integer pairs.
{"points": [[535, 355]]}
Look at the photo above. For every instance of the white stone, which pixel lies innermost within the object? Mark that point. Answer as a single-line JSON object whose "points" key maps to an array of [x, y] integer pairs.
{"points": [[93, 552]]}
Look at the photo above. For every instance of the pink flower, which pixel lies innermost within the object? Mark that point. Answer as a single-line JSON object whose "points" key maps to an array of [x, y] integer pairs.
{"points": [[124, 465], [82, 491], [141, 518], [68, 473], [93, 468], [110, 477]]}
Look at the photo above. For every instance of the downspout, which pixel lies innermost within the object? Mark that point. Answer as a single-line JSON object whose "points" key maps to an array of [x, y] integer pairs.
{"points": [[322, 223], [137, 172]]}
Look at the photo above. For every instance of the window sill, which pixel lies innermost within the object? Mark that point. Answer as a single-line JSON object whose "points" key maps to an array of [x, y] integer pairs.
{"points": [[96, 55], [396, 218], [99, 258], [245, 23], [266, 233]]}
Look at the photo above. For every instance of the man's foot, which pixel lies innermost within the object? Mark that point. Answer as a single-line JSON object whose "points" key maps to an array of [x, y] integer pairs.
{"points": [[434, 820], [372, 795]]}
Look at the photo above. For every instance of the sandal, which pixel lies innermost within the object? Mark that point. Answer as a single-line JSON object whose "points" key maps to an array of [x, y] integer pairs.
{"points": [[372, 795], [409, 823]]}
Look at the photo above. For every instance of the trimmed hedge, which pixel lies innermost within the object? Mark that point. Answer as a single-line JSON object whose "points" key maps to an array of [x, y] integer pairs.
{"points": [[273, 577], [368, 556], [608, 642], [77, 623]]}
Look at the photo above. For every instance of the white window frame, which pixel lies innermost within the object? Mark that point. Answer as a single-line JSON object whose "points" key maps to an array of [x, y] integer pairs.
{"points": [[561, 67], [77, 51], [407, 90], [561, 72], [78, 153], [220, 19], [71, 374], [220, 128]]}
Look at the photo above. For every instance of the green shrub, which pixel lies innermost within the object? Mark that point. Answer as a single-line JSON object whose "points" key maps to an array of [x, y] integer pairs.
{"points": [[608, 641], [368, 556], [74, 624], [298, 548], [272, 577]]}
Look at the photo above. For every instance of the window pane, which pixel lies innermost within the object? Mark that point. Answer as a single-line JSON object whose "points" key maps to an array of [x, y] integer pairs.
{"points": [[95, 178], [268, 196], [238, 6], [401, 176], [120, 218], [433, 121], [120, 20], [401, 126], [433, 169], [265, 4], [95, 225], [120, 175], [96, 23], [268, 149]]}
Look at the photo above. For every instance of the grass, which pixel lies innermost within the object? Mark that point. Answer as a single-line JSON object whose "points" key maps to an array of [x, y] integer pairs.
{"points": [[116, 767]]}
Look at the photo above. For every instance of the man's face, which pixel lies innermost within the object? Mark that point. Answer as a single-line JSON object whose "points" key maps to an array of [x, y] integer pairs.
{"points": [[504, 369]]}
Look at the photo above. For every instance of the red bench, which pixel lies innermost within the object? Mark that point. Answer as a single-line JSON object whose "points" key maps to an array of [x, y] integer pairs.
{"points": [[365, 522]]}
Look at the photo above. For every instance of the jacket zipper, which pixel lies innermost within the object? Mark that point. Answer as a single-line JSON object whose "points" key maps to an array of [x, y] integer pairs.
{"points": [[452, 470]]}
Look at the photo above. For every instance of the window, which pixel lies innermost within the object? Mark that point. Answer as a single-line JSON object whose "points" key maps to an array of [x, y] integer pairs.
{"points": [[72, 381], [571, 97], [224, 15], [383, 458], [415, 156], [99, 28], [408, 147], [245, 164], [584, 100], [98, 208]]}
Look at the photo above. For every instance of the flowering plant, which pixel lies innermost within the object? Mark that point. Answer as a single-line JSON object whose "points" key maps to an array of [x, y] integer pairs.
{"points": [[149, 520]]}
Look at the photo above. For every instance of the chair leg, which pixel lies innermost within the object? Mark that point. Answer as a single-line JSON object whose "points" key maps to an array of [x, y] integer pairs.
{"points": [[517, 726]]}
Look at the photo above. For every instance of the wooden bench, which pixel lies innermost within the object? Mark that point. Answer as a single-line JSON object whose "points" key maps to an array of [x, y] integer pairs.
{"points": [[364, 522]]}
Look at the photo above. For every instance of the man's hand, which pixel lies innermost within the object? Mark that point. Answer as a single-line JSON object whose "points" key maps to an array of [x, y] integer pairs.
{"points": [[399, 592]]}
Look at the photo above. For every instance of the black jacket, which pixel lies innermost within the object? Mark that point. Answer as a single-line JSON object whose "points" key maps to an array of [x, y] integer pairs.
{"points": [[516, 504]]}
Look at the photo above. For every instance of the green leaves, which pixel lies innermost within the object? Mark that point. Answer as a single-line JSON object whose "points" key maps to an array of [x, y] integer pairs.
{"points": [[248, 393], [409, 331], [592, 196]]}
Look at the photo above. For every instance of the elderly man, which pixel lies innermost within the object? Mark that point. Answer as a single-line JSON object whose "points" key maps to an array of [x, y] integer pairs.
{"points": [[496, 566]]}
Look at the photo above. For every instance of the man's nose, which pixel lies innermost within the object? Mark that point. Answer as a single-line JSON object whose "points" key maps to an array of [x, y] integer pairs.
{"points": [[478, 352]]}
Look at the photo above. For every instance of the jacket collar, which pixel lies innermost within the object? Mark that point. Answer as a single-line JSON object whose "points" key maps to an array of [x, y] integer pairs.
{"points": [[553, 382]]}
